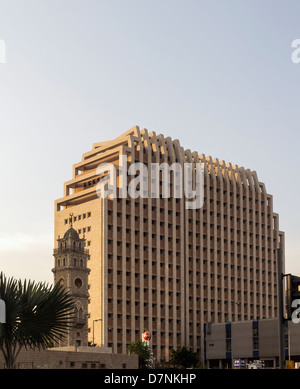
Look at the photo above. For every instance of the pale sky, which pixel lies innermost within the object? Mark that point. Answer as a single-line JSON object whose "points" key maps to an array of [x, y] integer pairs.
{"points": [[217, 75]]}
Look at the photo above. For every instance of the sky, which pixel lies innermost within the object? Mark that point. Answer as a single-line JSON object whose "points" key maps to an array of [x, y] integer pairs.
{"points": [[216, 75]]}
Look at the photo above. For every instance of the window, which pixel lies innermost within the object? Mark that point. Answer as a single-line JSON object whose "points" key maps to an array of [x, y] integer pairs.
{"points": [[255, 328], [228, 331]]}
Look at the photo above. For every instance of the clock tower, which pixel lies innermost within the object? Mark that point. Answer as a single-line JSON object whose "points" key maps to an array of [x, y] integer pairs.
{"points": [[70, 270]]}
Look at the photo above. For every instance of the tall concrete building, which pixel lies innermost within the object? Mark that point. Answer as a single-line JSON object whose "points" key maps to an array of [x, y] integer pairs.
{"points": [[158, 266]]}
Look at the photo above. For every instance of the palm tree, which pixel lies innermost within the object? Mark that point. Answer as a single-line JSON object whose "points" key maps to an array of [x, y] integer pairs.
{"points": [[37, 316]]}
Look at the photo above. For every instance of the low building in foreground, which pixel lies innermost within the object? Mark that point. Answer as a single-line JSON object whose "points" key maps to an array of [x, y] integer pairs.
{"points": [[251, 341], [74, 358]]}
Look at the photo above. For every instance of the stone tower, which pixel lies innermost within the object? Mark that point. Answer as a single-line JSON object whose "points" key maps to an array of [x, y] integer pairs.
{"points": [[70, 269]]}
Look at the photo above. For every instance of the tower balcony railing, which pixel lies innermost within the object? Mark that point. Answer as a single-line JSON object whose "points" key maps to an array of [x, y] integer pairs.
{"points": [[78, 322], [68, 249]]}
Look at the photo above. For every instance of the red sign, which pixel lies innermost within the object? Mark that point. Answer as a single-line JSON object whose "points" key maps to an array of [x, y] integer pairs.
{"points": [[146, 336]]}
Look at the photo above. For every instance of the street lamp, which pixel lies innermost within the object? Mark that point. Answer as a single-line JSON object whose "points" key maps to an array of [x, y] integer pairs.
{"points": [[94, 330]]}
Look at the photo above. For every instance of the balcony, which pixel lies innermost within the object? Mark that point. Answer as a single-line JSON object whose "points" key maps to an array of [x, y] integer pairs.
{"points": [[73, 250], [78, 322]]}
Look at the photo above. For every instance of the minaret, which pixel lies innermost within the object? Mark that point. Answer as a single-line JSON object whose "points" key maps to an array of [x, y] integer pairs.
{"points": [[70, 269]]}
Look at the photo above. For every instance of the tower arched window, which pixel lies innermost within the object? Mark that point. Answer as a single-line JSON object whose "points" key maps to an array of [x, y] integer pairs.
{"points": [[58, 262], [81, 262], [75, 261], [64, 262]]}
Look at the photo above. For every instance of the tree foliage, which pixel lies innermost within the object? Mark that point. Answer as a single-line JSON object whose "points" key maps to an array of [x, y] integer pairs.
{"points": [[184, 358], [37, 316], [143, 352]]}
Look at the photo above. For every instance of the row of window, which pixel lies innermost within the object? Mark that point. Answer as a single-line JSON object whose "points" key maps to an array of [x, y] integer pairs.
{"points": [[162, 210], [190, 219], [172, 267], [178, 224], [92, 365], [245, 234], [84, 230], [162, 320], [191, 286], [79, 217], [198, 273], [75, 262], [225, 193], [137, 246]]}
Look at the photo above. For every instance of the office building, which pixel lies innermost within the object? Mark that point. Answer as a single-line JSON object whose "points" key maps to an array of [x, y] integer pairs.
{"points": [[156, 265]]}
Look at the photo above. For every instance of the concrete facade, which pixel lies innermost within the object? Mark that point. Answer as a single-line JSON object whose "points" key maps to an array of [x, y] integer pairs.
{"points": [[157, 266]]}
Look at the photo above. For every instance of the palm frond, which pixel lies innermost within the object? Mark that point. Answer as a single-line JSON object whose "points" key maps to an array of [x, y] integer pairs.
{"points": [[37, 315]]}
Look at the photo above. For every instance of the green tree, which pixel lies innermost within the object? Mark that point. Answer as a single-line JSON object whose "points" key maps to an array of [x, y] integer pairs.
{"points": [[37, 316], [143, 352], [184, 358]]}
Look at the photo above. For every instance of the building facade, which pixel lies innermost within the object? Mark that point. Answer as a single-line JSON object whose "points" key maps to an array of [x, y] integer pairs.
{"points": [[73, 358], [158, 266], [250, 340]]}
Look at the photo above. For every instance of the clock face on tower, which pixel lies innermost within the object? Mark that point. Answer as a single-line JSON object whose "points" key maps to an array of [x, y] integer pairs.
{"points": [[78, 282]]}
